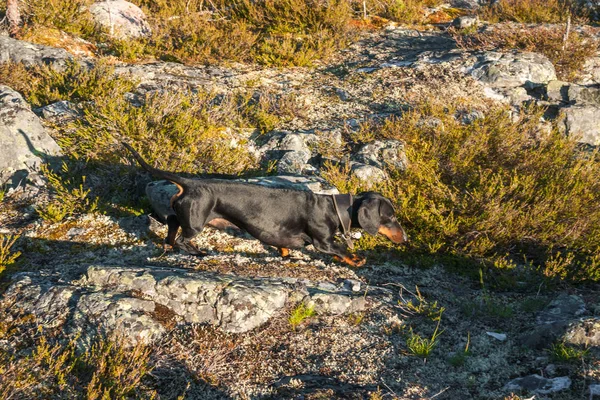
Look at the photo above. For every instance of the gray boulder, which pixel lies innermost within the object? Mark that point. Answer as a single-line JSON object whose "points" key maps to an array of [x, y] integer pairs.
{"points": [[138, 303], [368, 175], [585, 332], [23, 139], [380, 153], [538, 384], [582, 122], [555, 321], [122, 18], [465, 21], [506, 70], [20, 51]]}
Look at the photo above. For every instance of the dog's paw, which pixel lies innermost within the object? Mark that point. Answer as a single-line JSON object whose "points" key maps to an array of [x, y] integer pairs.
{"points": [[358, 260]]}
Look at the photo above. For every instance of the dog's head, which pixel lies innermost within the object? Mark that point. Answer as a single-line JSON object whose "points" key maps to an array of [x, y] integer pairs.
{"points": [[376, 214]]}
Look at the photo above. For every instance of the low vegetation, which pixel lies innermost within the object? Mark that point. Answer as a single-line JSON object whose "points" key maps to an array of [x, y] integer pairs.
{"points": [[7, 256], [299, 314], [475, 194], [567, 56], [562, 352], [533, 11], [51, 369], [423, 346]]}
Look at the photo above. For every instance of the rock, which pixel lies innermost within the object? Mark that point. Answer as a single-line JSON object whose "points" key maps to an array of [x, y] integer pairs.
{"points": [[585, 332], [565, 307], [590, 73], [498, 336], [550, 370], [336, 304], [138, 302], [594, 390], [19, 51], [290, 150], [122, 18], [583, 95], [293, 162], [554, 321], [367, 174], [466, 21], [59, 112], [468, 4], [23, 139], [558, 91], [381, 153], [582, 122], [538, 384], [513, 69], [160, 192]]}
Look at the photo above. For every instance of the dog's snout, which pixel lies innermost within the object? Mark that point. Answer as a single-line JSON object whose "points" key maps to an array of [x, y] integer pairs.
{"points": [[396, 234]]}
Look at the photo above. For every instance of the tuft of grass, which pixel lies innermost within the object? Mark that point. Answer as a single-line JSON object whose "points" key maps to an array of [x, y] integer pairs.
{"points": [[564, 353], [422, 307], [7, 256], [70, 196], [420, 346], [568, 57], [459, 359], [500, 186], [300, 313]]}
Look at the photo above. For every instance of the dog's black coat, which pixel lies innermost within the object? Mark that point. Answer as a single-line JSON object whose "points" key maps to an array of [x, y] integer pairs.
{"points": [[284, 218]]}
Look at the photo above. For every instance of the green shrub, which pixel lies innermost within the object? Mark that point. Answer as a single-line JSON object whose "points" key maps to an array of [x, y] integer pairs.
{"points": [[50, 369], [565, 353], [7, 256], [300, 313], [498, 186], [70, 197], [568, 57]]}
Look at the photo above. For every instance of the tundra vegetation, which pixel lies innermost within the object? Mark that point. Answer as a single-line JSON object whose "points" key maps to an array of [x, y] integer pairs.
{"points": [[503, 199]]}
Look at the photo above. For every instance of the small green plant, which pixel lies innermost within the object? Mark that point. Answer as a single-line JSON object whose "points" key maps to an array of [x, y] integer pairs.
{"points": [[2, 193], [420, 346], [565, 353], [459, 359], [7, 256], [70, 198], [423, 307], [356, 318], [300, 313]]}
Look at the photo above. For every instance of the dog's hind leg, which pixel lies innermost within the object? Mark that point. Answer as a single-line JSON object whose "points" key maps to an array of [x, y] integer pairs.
{"points": [[173, 224]]}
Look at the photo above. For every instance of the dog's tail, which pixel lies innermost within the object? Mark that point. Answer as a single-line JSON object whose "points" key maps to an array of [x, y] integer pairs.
{"points": [[180, 181]]}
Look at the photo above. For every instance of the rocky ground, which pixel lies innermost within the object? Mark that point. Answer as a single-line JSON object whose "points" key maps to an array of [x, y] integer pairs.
{"points": [[219, 325]]}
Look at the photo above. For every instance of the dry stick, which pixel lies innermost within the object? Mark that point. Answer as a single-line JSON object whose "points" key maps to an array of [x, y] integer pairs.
{"points": [[14, 17], [365, 9], [566, 36]]}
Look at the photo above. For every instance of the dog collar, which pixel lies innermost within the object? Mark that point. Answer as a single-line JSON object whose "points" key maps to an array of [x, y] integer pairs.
{"points": [[344, 202]]}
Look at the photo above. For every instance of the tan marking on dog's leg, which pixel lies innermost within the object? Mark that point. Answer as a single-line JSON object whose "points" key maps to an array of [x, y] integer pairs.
{"points": [[284, 252]]}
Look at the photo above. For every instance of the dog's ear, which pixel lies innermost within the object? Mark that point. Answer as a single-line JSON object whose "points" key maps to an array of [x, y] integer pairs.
{"points": [[368, 216]]}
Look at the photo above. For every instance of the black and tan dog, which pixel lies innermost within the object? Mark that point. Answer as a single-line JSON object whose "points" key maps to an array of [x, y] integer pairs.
{"points": [[283, 218]]}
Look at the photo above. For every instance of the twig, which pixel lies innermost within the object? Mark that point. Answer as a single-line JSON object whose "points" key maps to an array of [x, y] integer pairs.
{"points": [[442, 391], [388, 388], [566, 36]]}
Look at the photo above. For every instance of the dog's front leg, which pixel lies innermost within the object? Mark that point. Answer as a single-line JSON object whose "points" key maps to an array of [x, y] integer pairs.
{"points": [[184, 242], [340, 253]]}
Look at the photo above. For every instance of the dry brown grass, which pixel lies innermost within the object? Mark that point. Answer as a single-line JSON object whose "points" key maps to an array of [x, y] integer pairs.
{"points": [[533, 11]]}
